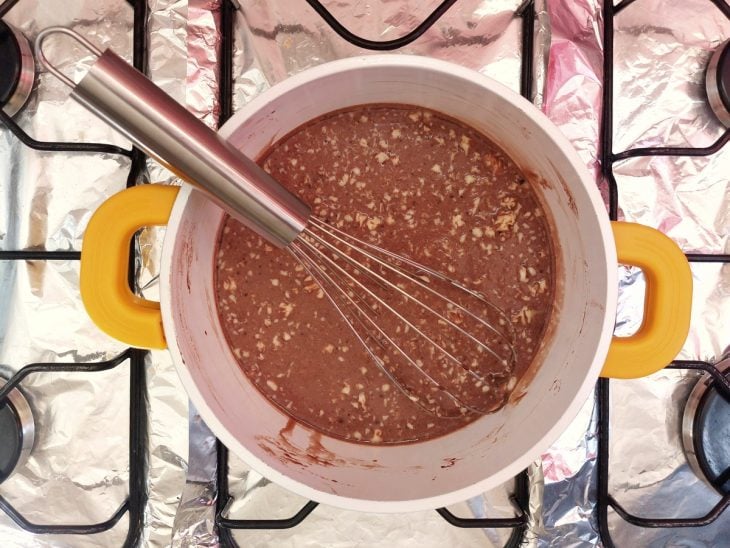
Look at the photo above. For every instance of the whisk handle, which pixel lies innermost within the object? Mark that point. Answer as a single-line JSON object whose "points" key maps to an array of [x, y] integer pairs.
{"points": [[127, 100]]}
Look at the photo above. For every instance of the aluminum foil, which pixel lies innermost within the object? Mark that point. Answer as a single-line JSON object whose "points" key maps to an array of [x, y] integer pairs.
{"points": [[47, 199], [573, 88], [79, 469], [183, 65], [255, 497], [660, 59], [276, 40]]}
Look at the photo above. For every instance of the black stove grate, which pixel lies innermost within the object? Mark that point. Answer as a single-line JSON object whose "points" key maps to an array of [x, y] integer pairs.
{"points": [[46, 146], [605, 499], [226, 525], [135, 502]]}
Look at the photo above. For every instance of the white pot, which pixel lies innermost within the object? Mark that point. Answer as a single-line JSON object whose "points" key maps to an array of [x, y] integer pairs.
{"points": [[440, 471]]}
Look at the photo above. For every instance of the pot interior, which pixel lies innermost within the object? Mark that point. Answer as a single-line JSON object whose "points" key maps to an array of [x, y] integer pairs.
{"points": [[484, 453]]}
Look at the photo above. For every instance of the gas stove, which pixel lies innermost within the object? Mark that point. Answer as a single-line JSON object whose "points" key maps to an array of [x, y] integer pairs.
{"points": [[99, 445]]}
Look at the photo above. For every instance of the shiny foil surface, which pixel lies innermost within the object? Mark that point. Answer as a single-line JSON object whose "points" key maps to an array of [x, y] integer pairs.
{"points": [[78, 471], [661, 49], [573, 89], [660, 55]]}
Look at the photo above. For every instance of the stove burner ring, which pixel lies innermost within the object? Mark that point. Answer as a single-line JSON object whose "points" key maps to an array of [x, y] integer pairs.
{"points": [[717, 81], [17, 69], [17, 432], [706, 432]]}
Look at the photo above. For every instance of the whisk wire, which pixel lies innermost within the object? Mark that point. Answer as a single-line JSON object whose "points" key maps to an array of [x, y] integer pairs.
{"points": [[385, 304], [323, 279], [407, 295], [347, 239], [440, 332]]}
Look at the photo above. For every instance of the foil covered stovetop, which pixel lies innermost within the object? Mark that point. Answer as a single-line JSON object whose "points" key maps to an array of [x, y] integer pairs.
{"points": [[79, 469]]}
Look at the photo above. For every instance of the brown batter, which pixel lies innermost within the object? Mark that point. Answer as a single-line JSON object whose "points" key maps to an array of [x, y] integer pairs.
{"points": [[419, 184]]}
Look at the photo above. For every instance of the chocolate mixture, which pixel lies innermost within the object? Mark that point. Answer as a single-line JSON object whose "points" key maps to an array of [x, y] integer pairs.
{"points": [[416, 183]]}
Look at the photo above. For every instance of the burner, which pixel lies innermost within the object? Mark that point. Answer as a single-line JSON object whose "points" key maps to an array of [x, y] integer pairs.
{"points": [[17, 432], [17, 69], [706, 432], [717, 80]]}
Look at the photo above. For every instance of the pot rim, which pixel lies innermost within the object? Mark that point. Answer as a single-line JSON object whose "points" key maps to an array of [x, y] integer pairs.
{"points": [[590, 375]]}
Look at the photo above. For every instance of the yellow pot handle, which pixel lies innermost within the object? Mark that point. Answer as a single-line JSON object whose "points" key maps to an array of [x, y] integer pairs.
{"points": [[120, 313], [105, 290], [667, 303]]}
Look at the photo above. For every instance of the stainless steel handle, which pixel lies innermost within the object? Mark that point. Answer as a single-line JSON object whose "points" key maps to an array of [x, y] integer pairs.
{"points": [[154, 121]]}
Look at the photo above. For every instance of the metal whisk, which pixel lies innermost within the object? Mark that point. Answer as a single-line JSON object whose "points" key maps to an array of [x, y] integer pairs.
{"points": [[445, 346]]}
